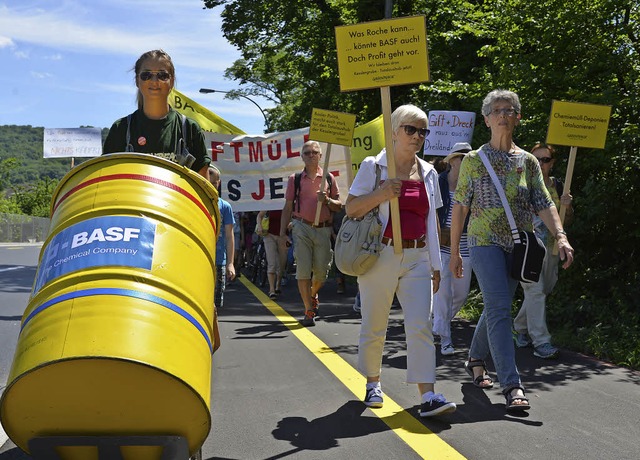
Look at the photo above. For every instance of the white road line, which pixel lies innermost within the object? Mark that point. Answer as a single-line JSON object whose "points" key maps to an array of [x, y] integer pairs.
{"points": [[8, 269]]}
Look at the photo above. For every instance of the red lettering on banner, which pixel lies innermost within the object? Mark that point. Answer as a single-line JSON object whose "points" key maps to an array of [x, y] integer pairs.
{"points": [[260, 194], [236, 146], [291, 153], [277, 154], [255, 152], [215, 149]]}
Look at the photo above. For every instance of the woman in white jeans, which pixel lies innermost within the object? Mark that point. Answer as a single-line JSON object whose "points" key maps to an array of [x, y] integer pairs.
{"points": [[410, 274], [453, 291], [531, 323]]}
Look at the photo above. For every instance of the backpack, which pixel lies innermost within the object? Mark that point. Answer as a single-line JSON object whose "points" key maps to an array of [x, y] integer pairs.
{"points": [[183, 157], [296, 187]]}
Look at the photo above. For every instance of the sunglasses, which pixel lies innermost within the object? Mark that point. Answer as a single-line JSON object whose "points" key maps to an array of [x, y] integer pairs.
{"points": [[161, 75], [310, 153], [411, 130], [545, 160]]}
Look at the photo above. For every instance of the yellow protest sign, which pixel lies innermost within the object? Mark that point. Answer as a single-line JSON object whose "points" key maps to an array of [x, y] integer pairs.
{"points": [[332, 127], [207, 120], [390, 52], [578, 125]]}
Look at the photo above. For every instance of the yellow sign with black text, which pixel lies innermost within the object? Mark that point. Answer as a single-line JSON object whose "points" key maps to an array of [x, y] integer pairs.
{"points": [[577, 124], [332, 127], [390, 52]]}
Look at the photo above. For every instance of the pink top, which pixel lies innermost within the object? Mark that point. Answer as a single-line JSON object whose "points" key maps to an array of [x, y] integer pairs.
{"points": [[414, 207], [309, 196]]}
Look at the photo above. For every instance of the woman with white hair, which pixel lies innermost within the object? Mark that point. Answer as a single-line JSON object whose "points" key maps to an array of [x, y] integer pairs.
{"points": [[410, 275], [490, 240]]}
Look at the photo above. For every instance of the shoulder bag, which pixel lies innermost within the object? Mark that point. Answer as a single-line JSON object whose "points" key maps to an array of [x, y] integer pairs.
{"points": [[528, 250], [358, 242]]}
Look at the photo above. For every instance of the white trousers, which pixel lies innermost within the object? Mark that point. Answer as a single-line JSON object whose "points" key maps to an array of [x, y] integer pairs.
{"points": [[450, 297], [408, 276], [532, 318]]}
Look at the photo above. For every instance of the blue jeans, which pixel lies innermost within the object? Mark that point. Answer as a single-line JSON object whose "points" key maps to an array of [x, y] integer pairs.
{"points": [[493, 335]]}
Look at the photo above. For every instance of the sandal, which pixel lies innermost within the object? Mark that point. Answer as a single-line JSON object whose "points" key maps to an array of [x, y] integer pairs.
{"points": [[511, 405], [273, 295], [478, 381]]}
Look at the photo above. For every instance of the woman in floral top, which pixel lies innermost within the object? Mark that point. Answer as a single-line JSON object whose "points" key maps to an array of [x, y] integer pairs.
{"points": [[490, 241]]}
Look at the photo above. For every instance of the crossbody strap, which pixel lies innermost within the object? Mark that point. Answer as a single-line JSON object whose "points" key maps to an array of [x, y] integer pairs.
{"points": [[505, 204], [376, 184]]}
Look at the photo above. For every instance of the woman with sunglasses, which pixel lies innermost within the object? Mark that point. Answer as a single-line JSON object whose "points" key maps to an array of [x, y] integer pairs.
{"points": [[156, 128], [530, 324], [491, 243], [412, 274]]}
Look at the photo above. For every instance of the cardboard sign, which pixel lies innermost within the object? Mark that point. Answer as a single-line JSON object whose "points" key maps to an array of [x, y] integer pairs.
{"points": [[72, 142], [332, 127], [374, 54], [578, 124], [446, 128]]}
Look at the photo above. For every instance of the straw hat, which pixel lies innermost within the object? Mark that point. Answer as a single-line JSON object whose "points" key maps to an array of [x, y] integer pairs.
{"points": [[459, 149]]}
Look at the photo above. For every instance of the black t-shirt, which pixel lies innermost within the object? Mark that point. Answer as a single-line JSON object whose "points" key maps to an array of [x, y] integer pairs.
{"points": [[158, 137]]}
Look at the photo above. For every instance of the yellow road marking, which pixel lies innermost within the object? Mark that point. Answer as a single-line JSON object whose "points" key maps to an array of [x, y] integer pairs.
{"points": [[407, 427]]}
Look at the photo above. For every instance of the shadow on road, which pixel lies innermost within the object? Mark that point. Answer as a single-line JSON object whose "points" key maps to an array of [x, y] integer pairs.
{"points": [[323, 433]]}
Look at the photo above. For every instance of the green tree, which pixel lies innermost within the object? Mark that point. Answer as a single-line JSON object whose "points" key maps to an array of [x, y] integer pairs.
{"points": [[582, 51]]}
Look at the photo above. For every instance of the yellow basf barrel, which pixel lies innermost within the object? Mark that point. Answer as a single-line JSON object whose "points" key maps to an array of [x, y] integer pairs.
{"points": [[117, 337]]}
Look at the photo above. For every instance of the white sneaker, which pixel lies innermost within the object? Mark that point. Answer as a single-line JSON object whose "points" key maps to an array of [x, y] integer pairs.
{"points": [[447, 350]]}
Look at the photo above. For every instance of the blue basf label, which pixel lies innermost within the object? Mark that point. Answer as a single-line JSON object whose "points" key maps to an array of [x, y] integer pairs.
{"points": [[102, 241]]}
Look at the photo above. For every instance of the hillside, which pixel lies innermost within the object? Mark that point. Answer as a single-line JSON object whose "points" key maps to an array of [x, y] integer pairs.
{"points": [[24, 143]]}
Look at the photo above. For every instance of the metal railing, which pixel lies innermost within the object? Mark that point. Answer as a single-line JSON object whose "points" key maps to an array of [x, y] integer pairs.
{"points": [[16, 228]]}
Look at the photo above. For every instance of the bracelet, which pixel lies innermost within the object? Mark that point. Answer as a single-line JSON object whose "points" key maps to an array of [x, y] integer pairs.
{"points": [[560, 232]]}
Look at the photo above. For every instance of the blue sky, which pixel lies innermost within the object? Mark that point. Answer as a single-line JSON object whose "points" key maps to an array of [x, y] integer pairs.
{"points": [[67, 63]]}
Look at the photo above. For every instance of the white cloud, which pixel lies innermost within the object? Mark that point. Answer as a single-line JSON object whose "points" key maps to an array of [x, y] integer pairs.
{"points": [[21, 55], [6, 42], [193, 36], [54, 57], [41, 75]]}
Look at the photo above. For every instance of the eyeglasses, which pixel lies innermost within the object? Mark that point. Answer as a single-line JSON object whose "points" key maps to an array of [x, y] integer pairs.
{"points": [[161, 75], [411, 130], [309, 153], [508, 112], [545, 160]]}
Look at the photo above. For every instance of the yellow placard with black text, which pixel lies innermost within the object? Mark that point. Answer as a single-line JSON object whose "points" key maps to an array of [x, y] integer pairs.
{"points": [[390, 52], [577, 124], [332, 127]]}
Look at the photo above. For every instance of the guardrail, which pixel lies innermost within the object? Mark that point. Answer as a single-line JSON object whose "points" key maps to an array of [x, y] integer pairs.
{"points": [[16, 228]]}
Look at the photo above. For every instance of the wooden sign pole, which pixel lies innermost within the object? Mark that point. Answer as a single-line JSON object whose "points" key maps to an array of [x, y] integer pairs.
{"points": [[385, 93], [567, 187], [323, 182]]}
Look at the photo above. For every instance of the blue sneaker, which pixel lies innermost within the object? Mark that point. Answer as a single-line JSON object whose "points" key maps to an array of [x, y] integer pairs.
{"points": [[522, 340], [546, 351], [436, 404], [373, 397]]}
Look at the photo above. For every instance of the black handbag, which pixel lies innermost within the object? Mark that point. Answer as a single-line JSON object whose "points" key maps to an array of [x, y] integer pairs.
{"points": [[528, 256], [528, 250]]}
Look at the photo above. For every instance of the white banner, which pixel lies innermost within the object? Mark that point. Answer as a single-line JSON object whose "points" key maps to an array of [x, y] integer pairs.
{"points": [[72, 142], [255, 168], [447, 128]]}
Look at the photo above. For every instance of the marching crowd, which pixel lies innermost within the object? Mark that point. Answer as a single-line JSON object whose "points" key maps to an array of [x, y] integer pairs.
{"points": [[452, 219]]}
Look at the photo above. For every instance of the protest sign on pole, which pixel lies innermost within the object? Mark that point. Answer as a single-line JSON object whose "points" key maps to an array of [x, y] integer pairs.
{"points": [[446, 128], [379, 54], [576, 124], [333, 128], [72, 142]]}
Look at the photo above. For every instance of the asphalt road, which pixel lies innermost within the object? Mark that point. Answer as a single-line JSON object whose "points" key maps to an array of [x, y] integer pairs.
{"points": [[282, 391]]}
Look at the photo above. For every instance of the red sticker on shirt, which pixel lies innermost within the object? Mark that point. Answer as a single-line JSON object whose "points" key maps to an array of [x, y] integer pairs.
{"points": [[142, 140]]}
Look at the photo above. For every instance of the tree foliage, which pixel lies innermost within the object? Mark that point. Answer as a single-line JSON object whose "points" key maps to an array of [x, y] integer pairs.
{"points": [[581, 51]]}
